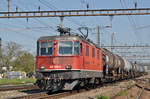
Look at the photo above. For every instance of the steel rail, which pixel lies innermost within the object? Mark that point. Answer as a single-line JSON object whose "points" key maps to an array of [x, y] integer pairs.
{"points": [[143, 88], [147, 89], [44, 95], [8, 88], [69, 13], [31, 96], [140, 93], [137, 85]]}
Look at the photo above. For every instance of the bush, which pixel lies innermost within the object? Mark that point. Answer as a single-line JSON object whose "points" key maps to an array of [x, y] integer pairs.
{"points": [[121, 93], [102, 97]]}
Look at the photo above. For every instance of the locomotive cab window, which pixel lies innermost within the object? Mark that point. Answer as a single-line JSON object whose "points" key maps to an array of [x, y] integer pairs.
{"points": [[81, 48], [87, 50], [37, 48], [76, 47], [65, 47], [46, 48], [93, 52], [98, 54]]}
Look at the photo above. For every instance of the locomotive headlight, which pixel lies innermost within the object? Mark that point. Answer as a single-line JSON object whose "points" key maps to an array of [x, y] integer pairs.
{"points": [[68, 67], [42, 67]]}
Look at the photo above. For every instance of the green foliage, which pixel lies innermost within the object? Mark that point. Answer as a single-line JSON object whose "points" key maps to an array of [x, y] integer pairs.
{"points": [[102, 97], [17, 81], [24, 62], [13, 55], [121, 93]]}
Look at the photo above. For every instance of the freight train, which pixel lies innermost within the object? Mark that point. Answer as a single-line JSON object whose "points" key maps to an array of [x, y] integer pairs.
{"points": [[69, 61]]}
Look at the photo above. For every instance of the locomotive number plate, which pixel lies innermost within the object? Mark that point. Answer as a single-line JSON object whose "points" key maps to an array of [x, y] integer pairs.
{"points": [[56, 66]]}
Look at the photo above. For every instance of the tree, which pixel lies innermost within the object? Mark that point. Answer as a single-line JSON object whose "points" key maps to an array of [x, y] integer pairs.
{"points": [[13, 55], [2, 59], [24, 62], [8, 54], [11, 52]]}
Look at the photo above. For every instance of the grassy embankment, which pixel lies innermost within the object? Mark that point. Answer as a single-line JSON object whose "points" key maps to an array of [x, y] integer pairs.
{"points": [[17, 81]]}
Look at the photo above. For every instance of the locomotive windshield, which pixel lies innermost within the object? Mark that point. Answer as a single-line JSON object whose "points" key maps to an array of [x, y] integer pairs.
{"points": [[46, 48], [66, 47]]}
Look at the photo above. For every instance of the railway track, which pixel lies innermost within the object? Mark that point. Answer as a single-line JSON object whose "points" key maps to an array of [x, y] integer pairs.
{"points": [[140, 89], [44, 95], [9, 88], [143, 87]]}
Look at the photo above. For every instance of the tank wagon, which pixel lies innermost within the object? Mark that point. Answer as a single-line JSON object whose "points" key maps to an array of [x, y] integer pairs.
{"points": [[71, 61]]}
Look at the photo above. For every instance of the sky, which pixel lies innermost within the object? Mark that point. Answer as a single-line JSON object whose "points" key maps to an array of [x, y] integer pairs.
{"points": [[128, 29]]}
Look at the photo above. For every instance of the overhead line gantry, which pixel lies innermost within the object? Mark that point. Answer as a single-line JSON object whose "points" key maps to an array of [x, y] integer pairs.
{"points": [[69, 13], [127, 46]]}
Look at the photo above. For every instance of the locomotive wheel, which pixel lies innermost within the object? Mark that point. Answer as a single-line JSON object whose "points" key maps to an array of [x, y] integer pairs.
{"points": [[41, 84], [50, 85], [56, 84]]}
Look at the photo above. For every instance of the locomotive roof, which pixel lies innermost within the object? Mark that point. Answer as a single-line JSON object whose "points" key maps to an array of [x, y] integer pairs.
{"points": [[63, 37], [68, 37]]}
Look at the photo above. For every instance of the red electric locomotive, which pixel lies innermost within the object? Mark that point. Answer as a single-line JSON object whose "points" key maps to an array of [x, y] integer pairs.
{"points": [[71, 61], [65, 61]]}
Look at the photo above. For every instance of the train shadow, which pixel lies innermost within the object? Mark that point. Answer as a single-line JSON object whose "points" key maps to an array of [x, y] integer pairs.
{"points": [[36, 91], [31, 91]]}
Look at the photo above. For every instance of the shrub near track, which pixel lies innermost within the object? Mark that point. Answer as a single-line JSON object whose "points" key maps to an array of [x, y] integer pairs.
{"points": [[16, 81], [121, 93], [102, 97]]}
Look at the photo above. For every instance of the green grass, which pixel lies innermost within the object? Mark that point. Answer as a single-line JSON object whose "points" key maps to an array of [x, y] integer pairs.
{"points": [[102, 97], [121, 93], [17, 81]]}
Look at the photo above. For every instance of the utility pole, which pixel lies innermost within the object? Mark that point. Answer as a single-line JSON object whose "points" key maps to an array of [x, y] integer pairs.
{"points": [[98, 36], [34, 66], [0, 47], [0, 44], [61, 21], [8, 7], [112, 41]]}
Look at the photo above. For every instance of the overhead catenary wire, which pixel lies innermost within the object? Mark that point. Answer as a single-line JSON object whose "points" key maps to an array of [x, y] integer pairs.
{"points": [[143, 27], [48, 5], [34, 19], [131, 20], [20, 32], [44, 23], [41, 22]]}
